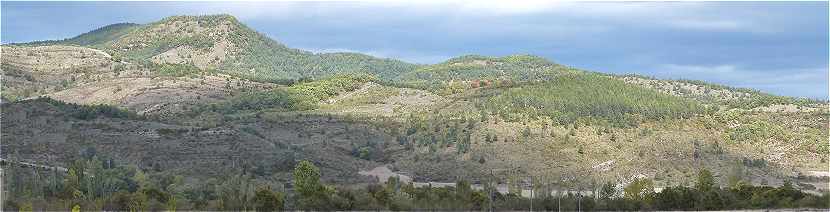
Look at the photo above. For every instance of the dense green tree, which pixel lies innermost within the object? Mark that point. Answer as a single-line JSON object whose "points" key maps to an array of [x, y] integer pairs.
{"points": [[267, 200], [705, 181], [237, 192], [607, 191], [675, 198], [640, 192], [312, 195], [307, 179]]}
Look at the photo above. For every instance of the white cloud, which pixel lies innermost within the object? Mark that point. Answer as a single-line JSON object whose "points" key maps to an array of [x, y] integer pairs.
{"points": [[253, 9], [791, 82], [698, 70], [334, 50], [698, 24], [678, 15], [505, 7], [408, 56]]}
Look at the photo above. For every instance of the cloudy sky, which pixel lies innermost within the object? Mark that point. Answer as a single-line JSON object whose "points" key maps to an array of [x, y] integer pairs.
{"points": [[777, 47]]}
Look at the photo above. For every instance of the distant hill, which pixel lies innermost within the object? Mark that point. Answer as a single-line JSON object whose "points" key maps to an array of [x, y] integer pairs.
{"points": [[456, 73], [469, 67], [97, 37], [222, 43]]}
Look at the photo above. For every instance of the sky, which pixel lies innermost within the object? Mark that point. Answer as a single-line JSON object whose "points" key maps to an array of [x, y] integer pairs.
{"points": [[775, 47]]}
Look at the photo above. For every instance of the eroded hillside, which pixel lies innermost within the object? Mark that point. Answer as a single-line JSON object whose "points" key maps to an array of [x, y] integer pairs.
{"points": [[32, 71], [203, 96]]}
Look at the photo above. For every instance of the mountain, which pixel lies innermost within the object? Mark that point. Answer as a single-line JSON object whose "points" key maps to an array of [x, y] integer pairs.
{"points": [[222, 43], [518, 67], [98, 37], [448, 75], [189, 107], [220, 54]]}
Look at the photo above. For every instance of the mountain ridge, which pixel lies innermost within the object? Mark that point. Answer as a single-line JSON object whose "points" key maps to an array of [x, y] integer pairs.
{"points": [[199, 97], [121, 29]]}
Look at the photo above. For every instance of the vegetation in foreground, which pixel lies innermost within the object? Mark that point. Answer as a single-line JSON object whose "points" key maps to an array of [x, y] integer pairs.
{"points": [[96, 183]]}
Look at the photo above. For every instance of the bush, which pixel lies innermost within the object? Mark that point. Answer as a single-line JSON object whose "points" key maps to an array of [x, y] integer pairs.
{"points": [[279, 99], [267, 200], [322, 89], [756, 131], [87, 112]]}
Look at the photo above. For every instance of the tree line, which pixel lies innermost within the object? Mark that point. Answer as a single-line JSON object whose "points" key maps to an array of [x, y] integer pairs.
{"points": [[93, 183]]}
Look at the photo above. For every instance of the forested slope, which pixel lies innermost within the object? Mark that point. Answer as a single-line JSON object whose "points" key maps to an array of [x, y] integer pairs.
{"points": [[191, 108]]}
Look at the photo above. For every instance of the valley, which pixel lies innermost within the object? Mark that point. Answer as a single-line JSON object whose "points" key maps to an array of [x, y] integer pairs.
{"points": [[192, 102]]}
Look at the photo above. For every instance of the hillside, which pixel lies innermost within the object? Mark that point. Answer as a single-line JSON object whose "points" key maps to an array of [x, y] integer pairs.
{"points": [[462, 72], [64, 130], [222, 43], [190, 106], [575, 96], [32, 71]]}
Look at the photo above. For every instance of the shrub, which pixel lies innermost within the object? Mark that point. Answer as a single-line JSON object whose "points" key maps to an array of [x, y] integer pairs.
{"points": [[267, 200], [757, 130]]}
